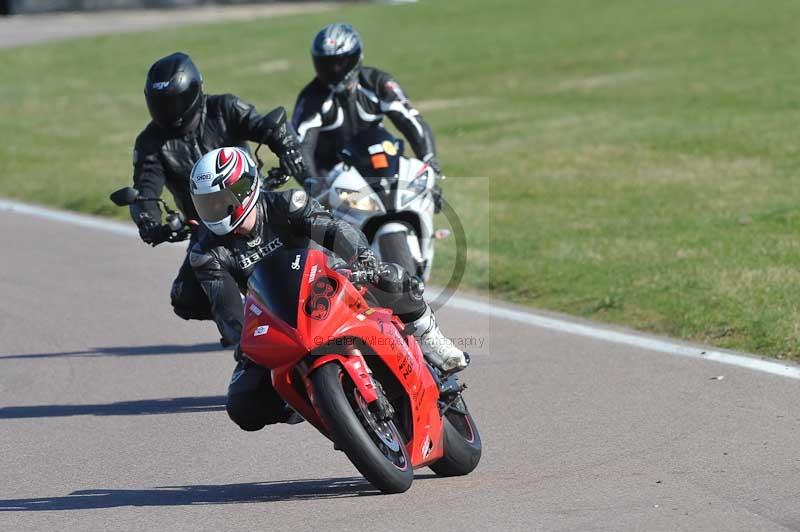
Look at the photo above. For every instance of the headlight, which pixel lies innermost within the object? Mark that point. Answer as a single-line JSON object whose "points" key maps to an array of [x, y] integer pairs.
{"points": [[417, 186], [354, 199]]}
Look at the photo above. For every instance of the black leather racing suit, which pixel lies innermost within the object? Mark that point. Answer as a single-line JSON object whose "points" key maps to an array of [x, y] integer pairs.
{"points": [[327, 121], [164, 159], [285, 219]]}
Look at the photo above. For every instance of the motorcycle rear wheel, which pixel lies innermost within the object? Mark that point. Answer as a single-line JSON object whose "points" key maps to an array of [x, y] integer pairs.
{"points": [[462, 442], [374, 447]]}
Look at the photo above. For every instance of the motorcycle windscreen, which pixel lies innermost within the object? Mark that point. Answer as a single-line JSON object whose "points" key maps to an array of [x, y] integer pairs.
{"points": [[276, 280]]}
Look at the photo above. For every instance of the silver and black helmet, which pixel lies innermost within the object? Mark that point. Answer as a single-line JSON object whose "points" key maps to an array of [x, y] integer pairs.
{"points": [[337, 53]]}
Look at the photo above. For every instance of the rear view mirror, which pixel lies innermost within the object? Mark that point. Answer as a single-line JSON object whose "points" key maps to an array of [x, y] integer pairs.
{"points": [[124, 196]]}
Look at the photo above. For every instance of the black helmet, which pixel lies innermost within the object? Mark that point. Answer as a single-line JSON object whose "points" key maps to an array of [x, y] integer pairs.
{"points": [[174, 92], [337, 54]]}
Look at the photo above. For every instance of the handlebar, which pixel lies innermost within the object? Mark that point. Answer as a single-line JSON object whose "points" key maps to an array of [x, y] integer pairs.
{"points": [[275, 178]]}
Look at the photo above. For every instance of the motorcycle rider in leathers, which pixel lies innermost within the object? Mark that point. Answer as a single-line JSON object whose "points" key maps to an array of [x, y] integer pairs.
{"points": [[345, 99], [246, 224], [186, 123]]}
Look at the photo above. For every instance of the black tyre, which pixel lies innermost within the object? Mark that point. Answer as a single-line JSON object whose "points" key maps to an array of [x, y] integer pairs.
{"points": [[375, 447], [462, 442], [394, 248]]}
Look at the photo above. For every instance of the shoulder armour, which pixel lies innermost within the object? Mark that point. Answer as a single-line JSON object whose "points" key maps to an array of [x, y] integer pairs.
{"points": [[198, 257], [297, 201]]}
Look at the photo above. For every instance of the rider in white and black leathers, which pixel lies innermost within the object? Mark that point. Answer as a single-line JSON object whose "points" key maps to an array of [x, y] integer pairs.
{"points": [[185, 125], [346, 98], [247, 224]]}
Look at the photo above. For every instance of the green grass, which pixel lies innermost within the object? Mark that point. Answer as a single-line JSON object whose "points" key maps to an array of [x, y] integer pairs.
{"points": [[640, 157]]}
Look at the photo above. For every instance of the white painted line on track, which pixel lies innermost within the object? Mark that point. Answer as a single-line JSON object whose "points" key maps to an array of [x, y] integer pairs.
{"points": [[478, 307], [644, 342], [82, 220]]}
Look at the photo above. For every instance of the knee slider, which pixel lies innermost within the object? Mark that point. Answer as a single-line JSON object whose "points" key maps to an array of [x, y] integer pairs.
{"points": [[176, 292], [182, 312], [189, 312], [248, 413], [188, 304]]}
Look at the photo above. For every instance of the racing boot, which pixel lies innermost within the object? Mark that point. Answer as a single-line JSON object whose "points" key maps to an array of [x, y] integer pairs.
{"points": [[438, 350]]}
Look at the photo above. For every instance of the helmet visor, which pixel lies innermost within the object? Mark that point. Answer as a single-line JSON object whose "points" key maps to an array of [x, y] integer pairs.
{"points": [[231, 202], [168, 108], [334, 68]]}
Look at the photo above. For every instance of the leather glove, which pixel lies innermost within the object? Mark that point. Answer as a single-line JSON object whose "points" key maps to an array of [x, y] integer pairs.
{"points": [[276, 178], [367, 261], [292, 162], [438, 195], [438, 198], [150, 232]]}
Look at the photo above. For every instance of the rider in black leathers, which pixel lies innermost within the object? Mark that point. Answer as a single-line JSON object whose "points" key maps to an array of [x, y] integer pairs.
{"points": [[285, 219], [292, 219], [187, 124], [345, 99]]}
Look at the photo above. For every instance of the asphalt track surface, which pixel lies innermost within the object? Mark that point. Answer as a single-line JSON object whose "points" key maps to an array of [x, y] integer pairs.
{"points": [[112, 418]]}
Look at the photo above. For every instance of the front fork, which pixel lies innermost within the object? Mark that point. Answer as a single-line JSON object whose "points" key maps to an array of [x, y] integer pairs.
{"points": [[370, 389], [356, 367]]}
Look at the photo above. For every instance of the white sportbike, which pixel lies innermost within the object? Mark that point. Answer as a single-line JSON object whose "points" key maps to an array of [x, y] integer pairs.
{"points": [[391, 198]]}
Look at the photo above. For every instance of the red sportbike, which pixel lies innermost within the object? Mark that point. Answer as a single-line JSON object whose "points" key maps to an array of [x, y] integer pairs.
{"points": [[346, 368]]}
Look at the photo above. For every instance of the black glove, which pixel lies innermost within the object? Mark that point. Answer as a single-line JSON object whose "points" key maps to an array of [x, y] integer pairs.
{"points": [[276, 178], [150, 232], [438, 198], [367, 261], [292, 162]]}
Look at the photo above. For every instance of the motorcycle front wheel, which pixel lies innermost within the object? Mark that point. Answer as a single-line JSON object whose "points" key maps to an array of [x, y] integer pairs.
{"points": [[394, 248], [374, 446]]}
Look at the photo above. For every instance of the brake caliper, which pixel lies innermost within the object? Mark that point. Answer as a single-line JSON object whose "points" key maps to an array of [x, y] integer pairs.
{"points": [[383, 409]]}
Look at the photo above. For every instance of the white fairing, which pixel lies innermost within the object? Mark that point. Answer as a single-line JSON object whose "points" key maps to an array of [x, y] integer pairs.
{"points": [[351, 199]]}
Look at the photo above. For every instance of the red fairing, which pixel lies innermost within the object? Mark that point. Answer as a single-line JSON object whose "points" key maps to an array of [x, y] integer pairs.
{"points": [[336, 325], [268, 340], [329, 305]]}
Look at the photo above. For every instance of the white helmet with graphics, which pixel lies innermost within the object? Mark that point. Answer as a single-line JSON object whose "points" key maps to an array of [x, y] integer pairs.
{"points": [[225, 185]]}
